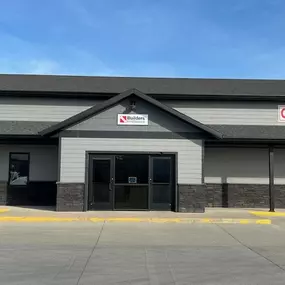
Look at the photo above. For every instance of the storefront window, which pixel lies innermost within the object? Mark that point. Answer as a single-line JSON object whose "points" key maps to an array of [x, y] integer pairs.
{"points": [[19, 169]]}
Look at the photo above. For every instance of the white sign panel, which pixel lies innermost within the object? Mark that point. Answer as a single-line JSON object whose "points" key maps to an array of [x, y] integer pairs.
{"points": [[132, 119], [281, 114], [132, 180]]}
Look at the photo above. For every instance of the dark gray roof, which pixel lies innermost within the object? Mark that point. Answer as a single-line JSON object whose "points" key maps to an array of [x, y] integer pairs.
{"points": [[115, 100], [23, 128], [250, 132], [229, 132], [151, 86]]}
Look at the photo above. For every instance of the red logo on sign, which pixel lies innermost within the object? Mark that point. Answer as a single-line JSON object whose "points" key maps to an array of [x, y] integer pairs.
{"points": [[282, 113], [123, 119]]}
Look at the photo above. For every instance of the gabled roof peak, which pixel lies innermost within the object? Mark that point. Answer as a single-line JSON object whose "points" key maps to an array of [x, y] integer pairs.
{"points": [[115, 100]]}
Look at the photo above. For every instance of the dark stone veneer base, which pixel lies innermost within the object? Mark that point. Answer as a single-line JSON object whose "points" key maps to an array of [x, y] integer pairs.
{"points": [[36, 193], [3, 193], [194, 198], [242, 195], [191, 198], [70, 197]]}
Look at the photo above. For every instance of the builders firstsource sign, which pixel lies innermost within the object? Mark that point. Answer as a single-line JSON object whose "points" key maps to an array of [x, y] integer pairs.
{"points": [[132, 119]]}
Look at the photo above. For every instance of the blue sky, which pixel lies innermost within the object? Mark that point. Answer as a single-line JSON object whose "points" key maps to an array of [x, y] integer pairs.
{"points": [[162, 38]]}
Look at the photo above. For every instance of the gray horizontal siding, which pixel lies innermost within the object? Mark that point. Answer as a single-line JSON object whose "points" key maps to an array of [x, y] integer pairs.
{"points": [[73, 155], [242, 165], [229, 113], [43, 161], [41, 109], [55, 110]]}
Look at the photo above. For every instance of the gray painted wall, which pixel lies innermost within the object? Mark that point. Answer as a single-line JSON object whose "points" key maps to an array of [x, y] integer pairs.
{"points": [[230, 113], [43, 161], [159, 121], [242, 165], [73, 155]]}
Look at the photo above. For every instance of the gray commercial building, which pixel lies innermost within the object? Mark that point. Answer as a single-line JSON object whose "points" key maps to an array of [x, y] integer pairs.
{"points": [[119, 143]]}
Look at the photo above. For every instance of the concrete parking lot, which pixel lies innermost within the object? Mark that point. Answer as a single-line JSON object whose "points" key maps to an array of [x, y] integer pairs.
{"points": [[141, 253]]}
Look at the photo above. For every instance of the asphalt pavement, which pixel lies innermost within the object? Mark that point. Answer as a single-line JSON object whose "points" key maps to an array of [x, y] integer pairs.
{"points": [[142, 253]]}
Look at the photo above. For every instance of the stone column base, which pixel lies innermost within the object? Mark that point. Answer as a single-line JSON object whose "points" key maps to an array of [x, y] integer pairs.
{"points": [[3, 193], [191, 198], [70, 197]]}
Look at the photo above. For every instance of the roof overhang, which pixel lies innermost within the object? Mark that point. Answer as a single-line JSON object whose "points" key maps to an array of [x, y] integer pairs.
{"points": [[162, 88]]}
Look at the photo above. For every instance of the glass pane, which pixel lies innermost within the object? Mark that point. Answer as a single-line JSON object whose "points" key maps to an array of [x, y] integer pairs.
{"points": [[161, 170], [19, 169], [101, 171], [161, 199], [131, 197], [131, 169], [101, 180], [161, 194]]}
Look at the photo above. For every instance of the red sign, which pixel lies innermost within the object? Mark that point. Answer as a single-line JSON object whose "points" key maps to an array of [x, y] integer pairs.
{"points": [[281, 113], [123, 119]]}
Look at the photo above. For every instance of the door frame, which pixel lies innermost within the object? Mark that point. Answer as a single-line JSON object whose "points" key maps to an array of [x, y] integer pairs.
{"points": [[90, 153], [172, 179], [109, 158]]}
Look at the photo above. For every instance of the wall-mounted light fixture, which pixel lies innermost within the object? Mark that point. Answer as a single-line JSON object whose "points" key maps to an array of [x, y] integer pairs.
{"points": [[132, 105]]}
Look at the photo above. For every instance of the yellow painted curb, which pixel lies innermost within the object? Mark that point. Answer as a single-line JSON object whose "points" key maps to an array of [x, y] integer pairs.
{"points": [[118, 219], [267, 214], [131, 220], [185, 220], [37, 219], [4, 210]]}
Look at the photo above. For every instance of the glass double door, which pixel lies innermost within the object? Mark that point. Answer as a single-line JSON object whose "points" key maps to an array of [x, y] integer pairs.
{"points": [[131, 182]]}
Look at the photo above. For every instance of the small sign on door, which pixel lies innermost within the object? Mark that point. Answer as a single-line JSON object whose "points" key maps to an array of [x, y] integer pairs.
{"points": [[132, 180]]}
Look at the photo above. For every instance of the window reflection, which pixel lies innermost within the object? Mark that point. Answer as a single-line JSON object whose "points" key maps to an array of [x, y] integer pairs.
{"points": [[19, 169]]}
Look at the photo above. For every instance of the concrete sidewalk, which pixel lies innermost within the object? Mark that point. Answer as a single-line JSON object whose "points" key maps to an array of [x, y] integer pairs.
{"points": [[212, 215]]}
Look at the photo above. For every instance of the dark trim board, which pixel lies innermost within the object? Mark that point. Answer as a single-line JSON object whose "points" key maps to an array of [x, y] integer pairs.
{"points": [[242, 144], [86, 186], [248, 141], [32, 140], [59, 157], [165, 96], [177, 204], [130, 152], [203, 163], [134, 135], [271, 178]]}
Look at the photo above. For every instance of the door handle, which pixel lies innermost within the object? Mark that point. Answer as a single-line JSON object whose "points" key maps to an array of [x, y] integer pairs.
{"points": [[110, 186]]}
